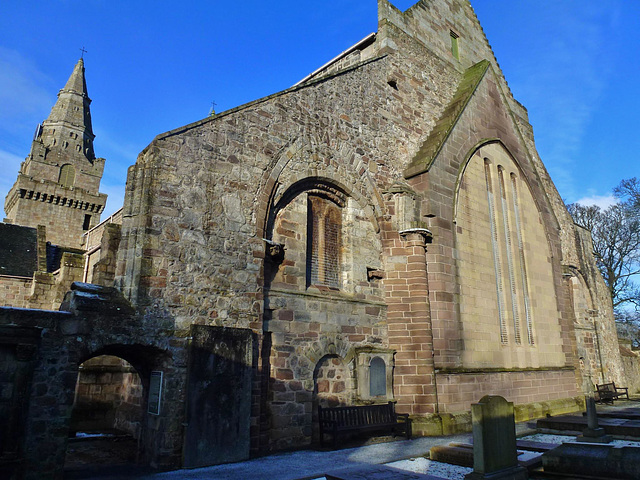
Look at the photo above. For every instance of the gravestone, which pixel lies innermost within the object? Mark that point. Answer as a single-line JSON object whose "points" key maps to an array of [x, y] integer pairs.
{"points": [[455, 455], [495, 455], [596, 460], [593, 433]]}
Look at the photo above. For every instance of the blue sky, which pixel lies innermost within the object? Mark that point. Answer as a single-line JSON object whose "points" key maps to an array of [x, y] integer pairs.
{"points": [[154, 66]]}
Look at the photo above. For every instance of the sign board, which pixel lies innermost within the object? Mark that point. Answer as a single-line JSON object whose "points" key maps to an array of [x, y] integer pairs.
{"points": [[155, 393]]}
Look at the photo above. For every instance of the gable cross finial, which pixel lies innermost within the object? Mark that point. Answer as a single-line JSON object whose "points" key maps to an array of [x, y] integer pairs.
{"points": [[83, 52]]}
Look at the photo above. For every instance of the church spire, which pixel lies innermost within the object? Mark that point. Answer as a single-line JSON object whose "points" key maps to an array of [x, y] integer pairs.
{"points": [[58, 183], [69, 122]]}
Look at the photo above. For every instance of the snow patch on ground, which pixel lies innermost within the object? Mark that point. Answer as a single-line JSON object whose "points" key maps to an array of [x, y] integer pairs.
{"points": [[548, 438], [93, 435], [423, 465]]}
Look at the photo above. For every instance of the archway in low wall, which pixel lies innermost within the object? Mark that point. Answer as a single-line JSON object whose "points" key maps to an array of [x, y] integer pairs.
{"points": [[107, 414]]}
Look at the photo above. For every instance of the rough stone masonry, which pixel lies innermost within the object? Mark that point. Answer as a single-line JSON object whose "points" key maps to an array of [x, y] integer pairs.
{"points": [[382, 231]]}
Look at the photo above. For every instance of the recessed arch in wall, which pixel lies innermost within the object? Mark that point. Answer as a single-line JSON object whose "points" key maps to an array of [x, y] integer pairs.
{"points": [[508, 306]]}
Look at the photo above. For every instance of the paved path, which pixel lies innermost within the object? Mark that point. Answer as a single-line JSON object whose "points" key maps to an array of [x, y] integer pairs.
{"points": [[310, 464]]}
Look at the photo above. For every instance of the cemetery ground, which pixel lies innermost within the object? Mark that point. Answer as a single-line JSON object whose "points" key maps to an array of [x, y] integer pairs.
{"points": [[386, 458]]}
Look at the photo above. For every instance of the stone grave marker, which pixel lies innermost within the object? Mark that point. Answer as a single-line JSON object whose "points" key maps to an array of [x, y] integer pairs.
{"points": [[454, 455], [495, 455], [593, 433]]}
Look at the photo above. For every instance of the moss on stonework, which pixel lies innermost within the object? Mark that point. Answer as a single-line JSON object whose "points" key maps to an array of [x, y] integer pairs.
{"points": [[462, 370], [460, 422], [441, 131]]}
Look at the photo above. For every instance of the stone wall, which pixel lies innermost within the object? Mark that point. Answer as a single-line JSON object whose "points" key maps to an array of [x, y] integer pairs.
{"points": [[64, 211], [225, 224], [15, 291], [108, 396], [456, 391], [94, 322], [44, 290], [631, 362]]}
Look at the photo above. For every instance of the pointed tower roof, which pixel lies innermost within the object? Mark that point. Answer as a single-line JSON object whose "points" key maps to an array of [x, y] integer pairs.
{"points": [[76, 82], [58, 183], [70, 117]]}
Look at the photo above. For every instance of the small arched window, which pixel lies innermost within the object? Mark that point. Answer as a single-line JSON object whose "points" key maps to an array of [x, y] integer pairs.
{"points": [[67, 175], [377, 377]]}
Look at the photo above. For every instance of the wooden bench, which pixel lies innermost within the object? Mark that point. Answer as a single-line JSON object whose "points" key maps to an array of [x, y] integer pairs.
{"points": [[608, 392], [338, 421]]}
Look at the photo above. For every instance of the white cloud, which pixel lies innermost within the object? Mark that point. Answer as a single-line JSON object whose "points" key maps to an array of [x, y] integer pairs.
{"points": [[24, 93], [602, 201], [561, 82], [9, 165]]}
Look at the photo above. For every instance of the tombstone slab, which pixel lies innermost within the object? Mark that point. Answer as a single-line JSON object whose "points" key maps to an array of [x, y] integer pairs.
{"points": [[596, 460], [455, 455], [495, 456], [377, 472]]}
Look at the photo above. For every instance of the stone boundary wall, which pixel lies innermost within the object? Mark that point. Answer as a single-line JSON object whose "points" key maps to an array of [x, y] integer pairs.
{"points": [[15, 291], [456, 391], [96, 321], [631, 365]]}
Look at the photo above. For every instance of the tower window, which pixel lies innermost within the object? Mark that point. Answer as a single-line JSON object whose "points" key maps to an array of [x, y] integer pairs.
{"points": [[324, 225], [67, 175], [454, 44], [87, 222]]}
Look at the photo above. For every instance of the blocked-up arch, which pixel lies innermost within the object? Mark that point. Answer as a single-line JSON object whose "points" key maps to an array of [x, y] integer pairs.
{"points": [[67, 175], [504, 265]]}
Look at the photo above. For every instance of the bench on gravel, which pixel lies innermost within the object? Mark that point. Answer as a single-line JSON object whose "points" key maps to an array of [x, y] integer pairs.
{"points": [[608, 392], [337, 421]]}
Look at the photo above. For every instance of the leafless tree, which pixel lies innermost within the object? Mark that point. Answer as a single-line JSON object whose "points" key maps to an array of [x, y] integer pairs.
{"points": [[616, 242]]}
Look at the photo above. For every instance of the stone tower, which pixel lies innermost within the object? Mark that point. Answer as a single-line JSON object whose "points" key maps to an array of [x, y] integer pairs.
{"points": [[58, 182]]}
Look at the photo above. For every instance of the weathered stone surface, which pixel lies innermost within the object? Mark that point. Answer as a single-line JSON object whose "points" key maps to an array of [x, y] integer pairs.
{"points": [[58, 183], [598, 460], [389, 210], [494, 441]]}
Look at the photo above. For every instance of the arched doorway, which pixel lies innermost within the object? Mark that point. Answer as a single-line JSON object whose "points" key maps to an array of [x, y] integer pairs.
{"points": [[106, 420], [333, 386]]}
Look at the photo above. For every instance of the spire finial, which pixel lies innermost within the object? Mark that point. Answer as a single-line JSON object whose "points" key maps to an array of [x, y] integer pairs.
{"points": [[83, 52]]}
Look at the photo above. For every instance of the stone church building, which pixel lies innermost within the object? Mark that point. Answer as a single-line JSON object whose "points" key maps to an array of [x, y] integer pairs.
{"points": [[384, 230]]}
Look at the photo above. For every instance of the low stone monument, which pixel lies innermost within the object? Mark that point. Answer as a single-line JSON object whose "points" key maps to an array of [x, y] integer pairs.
{"points": [[595, 460], [593, 433], [495, 454]]}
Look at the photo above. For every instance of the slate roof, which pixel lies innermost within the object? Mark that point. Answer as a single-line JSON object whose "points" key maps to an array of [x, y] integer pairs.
{"points": [[18, 250]]}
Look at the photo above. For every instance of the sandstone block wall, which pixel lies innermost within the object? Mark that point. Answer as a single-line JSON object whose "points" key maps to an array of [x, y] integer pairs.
{"points": [[221, 227], [64, 211]]}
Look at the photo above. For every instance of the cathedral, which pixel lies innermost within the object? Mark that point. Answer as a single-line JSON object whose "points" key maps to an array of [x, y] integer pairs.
{"points": [[382, 231]]}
